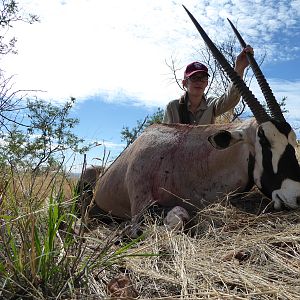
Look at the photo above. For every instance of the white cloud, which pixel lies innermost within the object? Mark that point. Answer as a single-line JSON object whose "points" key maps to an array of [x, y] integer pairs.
{"points": [[88, 47], [289, 89], [295, 4]]}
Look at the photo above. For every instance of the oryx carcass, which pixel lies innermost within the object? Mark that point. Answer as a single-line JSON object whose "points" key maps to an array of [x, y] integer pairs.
{"points": [[192, 166]]}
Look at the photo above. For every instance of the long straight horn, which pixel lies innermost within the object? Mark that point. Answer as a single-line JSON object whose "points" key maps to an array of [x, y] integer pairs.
{"points": [[257, 109], [265, 88]]}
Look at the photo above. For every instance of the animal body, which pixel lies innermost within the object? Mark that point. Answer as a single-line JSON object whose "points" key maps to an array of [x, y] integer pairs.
{"points": [[191, 167]]}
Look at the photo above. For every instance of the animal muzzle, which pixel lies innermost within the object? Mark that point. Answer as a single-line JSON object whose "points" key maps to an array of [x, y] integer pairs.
{"points": [[281, 202]]}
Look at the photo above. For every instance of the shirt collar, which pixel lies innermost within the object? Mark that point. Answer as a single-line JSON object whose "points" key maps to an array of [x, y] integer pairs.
{"points": [[203, 104]]}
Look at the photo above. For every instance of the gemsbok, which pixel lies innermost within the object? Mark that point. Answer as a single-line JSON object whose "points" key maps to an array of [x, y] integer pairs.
{"points": [[186, 167]]}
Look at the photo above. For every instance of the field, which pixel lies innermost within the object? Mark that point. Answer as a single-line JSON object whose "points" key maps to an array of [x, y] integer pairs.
{"points": [[235, 249]]}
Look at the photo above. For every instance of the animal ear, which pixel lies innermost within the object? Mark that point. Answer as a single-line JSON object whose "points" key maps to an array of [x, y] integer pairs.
{"points": [[224, 139]]}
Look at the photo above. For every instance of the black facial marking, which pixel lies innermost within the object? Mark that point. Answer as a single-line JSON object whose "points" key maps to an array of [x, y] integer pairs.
{"points": [[269, 181], [288, 164], [262, 138], [251, 163], [283, 127]]}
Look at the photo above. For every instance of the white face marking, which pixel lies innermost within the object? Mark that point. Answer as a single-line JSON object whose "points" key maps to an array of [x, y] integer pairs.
{"points": [[288, 193], [278, 142]]}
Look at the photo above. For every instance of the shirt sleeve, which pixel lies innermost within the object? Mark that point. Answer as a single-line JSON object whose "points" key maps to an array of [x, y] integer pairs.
{"points": [[227, 101], [171, 115], [168, 115]]}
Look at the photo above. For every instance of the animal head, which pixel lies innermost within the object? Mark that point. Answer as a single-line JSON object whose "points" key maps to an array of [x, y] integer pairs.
{"points": [[276, 169]]}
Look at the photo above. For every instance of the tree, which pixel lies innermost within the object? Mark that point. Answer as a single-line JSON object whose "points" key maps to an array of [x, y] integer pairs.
{"points": [[34, 134], [11, 101], [219, 80], [10, 12], [41, 141]]}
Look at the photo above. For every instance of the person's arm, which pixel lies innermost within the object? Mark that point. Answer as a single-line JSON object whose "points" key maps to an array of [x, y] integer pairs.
{"points": [[168, 115], [232, 97], [241, 62], [226, 102]]}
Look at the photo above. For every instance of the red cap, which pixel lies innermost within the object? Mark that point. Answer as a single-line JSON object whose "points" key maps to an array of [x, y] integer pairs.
{"points": [[195, 67]]}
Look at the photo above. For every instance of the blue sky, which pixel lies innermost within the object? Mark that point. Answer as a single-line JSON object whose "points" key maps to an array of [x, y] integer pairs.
{"points": [[111, 55]]}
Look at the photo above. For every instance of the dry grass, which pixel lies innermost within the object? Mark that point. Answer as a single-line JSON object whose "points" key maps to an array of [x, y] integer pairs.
{"points": [[231, 255], [245, 251]]}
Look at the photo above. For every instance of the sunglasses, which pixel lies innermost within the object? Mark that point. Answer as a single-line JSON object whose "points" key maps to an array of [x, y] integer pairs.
{"points": [[198, 78]]}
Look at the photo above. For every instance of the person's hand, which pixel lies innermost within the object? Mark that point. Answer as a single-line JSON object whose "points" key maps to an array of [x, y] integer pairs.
{"points": [[241, 62]]}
